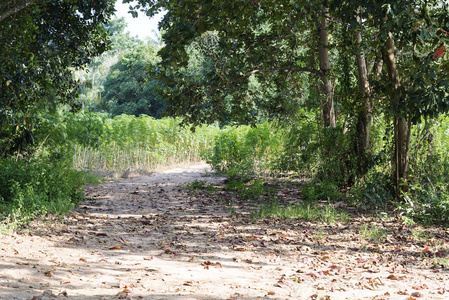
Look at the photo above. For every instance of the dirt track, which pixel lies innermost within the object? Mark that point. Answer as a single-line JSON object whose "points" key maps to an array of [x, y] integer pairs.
{"points": [[146, 238]]}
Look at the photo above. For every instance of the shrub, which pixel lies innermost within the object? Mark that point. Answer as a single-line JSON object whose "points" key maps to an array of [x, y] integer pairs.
{"points": [[35, 187], [245, 151]]}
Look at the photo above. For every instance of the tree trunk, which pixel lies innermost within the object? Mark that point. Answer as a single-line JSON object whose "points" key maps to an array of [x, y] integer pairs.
{"points": [[402, 127], [365, 115], [326, 88]]}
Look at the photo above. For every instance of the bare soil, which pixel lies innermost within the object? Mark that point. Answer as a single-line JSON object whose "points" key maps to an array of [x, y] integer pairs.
{"points": [[150, 238]]}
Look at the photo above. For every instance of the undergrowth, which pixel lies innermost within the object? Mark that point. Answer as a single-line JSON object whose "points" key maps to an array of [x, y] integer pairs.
{"points": [[36, 187], [308, 212]]}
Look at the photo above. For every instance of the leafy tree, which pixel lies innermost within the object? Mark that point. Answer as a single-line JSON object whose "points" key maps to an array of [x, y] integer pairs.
{"points": [[129, 90], [41, 43], [277, 41], [94, 76]]}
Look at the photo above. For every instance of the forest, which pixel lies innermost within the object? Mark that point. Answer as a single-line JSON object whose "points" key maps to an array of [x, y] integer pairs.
{"points": [[352, 96]]}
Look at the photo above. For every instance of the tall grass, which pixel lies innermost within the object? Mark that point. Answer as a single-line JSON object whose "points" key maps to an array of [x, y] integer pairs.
{"points": [[142, 144]]}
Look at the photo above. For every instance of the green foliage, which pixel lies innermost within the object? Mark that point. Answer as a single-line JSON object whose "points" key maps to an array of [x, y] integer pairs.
{"points": [[134, 143], [129, 90], [300, 152], [427, 197], [250, 190], [325, 190], [40, 46], [312, 213], [372, 233], [245, 151], [37, 187]]}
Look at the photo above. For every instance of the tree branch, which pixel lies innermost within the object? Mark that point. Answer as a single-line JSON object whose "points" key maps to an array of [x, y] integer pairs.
{"points": [[14, 7]]}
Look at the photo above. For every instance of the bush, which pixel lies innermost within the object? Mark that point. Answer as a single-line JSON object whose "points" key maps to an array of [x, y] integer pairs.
{"points": [[35, 187], [245, 151]]}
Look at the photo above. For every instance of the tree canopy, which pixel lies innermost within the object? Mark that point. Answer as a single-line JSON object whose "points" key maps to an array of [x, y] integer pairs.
{"points": [[129, 90], [41, 43], [393, 51]]}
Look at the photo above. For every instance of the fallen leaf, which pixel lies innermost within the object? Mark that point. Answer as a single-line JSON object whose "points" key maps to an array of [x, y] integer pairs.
{"points": [[271, 293], [421, 287], [148, 258], [208, 264], [115, 248], [83, 259], [125, 291], [48, 274], [64, 293], [416, 294]]}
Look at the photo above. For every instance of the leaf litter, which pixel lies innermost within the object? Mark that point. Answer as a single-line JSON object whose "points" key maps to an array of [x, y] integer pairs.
{"points": [[166, 242]]}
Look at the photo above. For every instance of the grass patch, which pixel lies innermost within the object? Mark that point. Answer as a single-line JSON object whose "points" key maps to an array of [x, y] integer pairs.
{"points": [[326, 214], [372, 233], [250, 190]]}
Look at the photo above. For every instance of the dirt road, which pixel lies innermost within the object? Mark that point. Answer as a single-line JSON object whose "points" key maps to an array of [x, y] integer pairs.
{"points": [[145, 238]]}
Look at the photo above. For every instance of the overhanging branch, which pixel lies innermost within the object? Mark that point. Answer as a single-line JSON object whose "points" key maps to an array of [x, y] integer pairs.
{"points": [[13, 7]]}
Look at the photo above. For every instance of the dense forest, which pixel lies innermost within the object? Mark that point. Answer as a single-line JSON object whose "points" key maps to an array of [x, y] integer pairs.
{"points": [[351, 95]]}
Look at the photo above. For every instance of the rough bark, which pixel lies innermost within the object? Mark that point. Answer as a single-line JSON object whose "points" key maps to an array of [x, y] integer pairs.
{"points": [[402, 127], [326, 88], [365, 115]]}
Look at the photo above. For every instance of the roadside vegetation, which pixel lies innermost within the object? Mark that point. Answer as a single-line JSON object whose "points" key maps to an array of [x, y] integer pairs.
{"points": [[353, 113]]}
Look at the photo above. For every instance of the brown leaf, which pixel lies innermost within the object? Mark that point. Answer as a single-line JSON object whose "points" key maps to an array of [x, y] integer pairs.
{"points": [[206, 264], [115, 248], [125, 291], [83, 259], [271, 293], [421, 287], [64, 293], [148, 258], [416, 294]]}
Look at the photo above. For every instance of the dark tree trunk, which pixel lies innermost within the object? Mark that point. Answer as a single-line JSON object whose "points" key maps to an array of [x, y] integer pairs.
{"points": [[402, 127]]}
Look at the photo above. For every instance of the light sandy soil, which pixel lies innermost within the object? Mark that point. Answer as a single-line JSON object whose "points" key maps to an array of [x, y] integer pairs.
{"points": [[147, 238]]}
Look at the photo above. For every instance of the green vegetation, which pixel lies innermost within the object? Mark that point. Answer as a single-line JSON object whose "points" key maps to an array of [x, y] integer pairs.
{"points": [[312, 213], [372, 233], [36, 187], [137, 144], [357, 105]]}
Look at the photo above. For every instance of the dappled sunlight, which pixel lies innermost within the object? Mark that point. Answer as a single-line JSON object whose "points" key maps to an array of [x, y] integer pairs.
{"points": [[153, 237]]}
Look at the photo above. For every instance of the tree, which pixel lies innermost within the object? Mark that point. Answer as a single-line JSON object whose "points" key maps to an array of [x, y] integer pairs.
{"points": [[129, 90], [254, 40], [267, 39], [41, 43], [95, 75]]}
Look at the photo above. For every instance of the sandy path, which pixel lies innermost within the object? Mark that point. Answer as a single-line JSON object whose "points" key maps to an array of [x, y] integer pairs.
{"points": [[144, 238]]}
